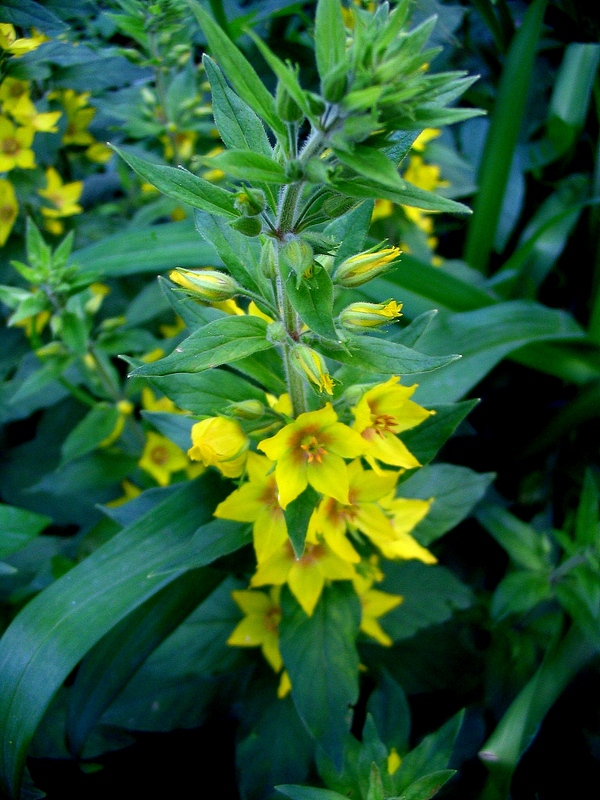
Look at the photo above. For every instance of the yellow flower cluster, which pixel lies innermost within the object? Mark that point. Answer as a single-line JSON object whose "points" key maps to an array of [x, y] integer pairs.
{"points": [[357, 513]]}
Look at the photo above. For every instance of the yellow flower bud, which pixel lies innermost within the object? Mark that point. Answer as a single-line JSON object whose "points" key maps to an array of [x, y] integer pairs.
{"points": [[246, 409], [363, 267], [209, 285], [360, 316], [125, 407], [220, 442], [308, 362]]}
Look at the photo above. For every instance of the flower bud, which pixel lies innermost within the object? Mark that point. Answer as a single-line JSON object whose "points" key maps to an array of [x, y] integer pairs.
{"points": [[250, 202], [294, 170], [268, 263], [335, 83], [246, 409], [249, 226], [208, 285], [287, 108], [276, 333], [358, 317], [221, 443], [365, 266], [310, 364], [299, 257]]}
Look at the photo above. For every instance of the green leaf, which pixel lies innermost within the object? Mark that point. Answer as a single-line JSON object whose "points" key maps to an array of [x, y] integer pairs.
{"points": [[427, 786], [330, 36], [58, 627], [286, 74], [118, 655], [372, 163], [308, 793], [484, 337], [571, 94], [455, 491], [519, 592], [219, 342], [426, 439], [410, 335], [430, 756], [176, 427], [212, 540], [153, 249], [40, 379], [234, 249], [526, 546], [383, 357], [29, 307], [17, 527], [312, 298], [87, 435], [407, 195], [183, 186], [245, 165], [502, 137], [587, 518], [238, 70], [208, 393], [238, 125], [431, 595], [39, 253], [297, 516], [28, 14], [351, 230], [319, 653], [390, 711]]}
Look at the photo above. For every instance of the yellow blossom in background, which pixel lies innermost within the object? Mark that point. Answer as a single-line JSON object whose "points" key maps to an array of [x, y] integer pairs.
{"points": [[382, 412], [255, 311], [152, 355], [130, 490], [425, 176], [220, 442], [169, 331], [406, 513], [260, 625], [424, 137], [161, 458], [257, 502], [151, 403], [79, 116], [180, 145], [99, 153], [285, 685], [9, 208], [375, 604], [382, 209], [213, 175], [311, 450], [63, 196], [125, 409], [19, 46], [35, 324], [306, 576], [15, 143], [14, 94]]}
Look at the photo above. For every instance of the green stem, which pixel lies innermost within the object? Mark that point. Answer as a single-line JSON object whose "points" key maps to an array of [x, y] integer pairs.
{"points": [[77, 392], [594, 325], [502, 751]]}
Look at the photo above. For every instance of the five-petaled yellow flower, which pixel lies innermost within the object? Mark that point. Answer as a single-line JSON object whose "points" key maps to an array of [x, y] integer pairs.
{"points": [[306, 575], [9, 208], [260, 626], [15, 146], [311, 450], [161, 458], [256, 501], [382, 412], [220, 442], [63, 196]]}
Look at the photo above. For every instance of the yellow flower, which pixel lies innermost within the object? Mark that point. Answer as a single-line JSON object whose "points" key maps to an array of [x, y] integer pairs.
{"points": [[425, 176], [9, 208], [213, 175], [406, 513], [79, 116], [285, 685], [18, 47], [260, 626], [99, 153], [256, 501], [63, 196], [152, 355], [151, 403], [332, 519], [15, 93], [375, 604], [360, 316], [382, 209], [161, 458], [311, 449], [255, 311], [393, 761], [180, 145], [125, 409], [425, 136], [381, 413], [14, 146], [220, 442], [281, 404], [130, 490], [168, 331], [306, 575]]}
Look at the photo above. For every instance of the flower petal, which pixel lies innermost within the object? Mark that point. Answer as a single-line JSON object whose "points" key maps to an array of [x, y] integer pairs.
{"points": [[306, 582], [330, 477]]}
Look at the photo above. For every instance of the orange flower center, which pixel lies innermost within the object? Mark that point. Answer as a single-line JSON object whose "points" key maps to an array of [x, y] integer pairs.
{"points": [[383, 422], [313, 448], [7, 213], [159, 455], [313, 553], [57, 200], [10, 146], [270, 497], [272, 618]]}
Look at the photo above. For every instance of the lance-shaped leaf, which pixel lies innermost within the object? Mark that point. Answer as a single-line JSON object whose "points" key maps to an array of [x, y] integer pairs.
{"points": [[87, 435], [383, 357], [330, 36], [183, 186], [286, 75], [238, 125], [351, 230], [320, 655], [408, 195], [426, 439], [297, 516], [312, 298], [206, 394], [249, 166], [238, 69], [17, 527], [220, 342], [59, 626], [372, 163]]}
